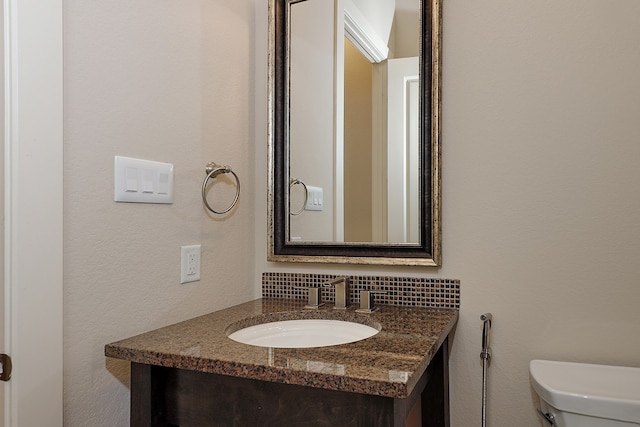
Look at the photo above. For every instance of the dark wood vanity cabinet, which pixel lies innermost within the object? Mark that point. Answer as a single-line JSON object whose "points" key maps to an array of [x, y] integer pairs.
{"points": [[163, 396]]}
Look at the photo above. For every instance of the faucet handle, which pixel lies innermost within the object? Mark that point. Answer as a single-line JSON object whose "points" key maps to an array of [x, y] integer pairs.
{"points": [[367, 301], [314, 297]]}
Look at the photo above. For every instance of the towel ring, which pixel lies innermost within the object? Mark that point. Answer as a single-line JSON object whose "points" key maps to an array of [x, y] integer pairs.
{"points": [[293, 182], [212, 170]]}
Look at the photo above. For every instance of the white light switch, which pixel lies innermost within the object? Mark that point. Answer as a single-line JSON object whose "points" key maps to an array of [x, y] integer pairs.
{"points": [[142, 181], [131, 177], [163, 183], [148, 176], [314, 199]]}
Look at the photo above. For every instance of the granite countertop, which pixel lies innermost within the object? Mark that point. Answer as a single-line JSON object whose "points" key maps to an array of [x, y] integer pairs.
{"points": [[388, 364]]}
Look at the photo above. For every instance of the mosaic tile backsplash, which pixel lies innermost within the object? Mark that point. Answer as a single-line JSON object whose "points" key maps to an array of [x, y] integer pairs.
{"points": [[399, 291]]}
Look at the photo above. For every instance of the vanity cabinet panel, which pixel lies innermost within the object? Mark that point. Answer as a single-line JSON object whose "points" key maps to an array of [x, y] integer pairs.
{"points": [[163, 397]]}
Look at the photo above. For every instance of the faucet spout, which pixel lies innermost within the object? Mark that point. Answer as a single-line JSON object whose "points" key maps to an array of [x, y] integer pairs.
{"points": [[341, 285]]}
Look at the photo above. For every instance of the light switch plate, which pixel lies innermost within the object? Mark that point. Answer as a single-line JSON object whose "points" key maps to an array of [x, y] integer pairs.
{"points": [[142, 181], [314, 199]]}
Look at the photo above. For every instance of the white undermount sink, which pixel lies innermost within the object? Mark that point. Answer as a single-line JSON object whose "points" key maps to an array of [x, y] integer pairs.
{"points": [[303, 333]]}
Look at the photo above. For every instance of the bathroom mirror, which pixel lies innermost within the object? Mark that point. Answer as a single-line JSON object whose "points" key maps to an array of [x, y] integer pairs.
{"points": [[354, 131]]}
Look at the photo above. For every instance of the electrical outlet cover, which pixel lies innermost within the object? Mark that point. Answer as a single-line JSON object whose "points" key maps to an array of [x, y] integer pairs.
{"points": [[190, 264]]}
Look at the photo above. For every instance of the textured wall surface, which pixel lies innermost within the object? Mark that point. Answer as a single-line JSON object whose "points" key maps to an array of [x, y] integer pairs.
{"points": [[540, 193], [164, 81]]}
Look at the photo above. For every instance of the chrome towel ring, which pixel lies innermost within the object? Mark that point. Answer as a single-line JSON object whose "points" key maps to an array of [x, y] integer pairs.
{"points": [[293, 182], [213, 170]]}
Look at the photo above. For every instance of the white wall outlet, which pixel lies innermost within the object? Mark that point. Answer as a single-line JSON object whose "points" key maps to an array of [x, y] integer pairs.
{"points": [[190, 264]]}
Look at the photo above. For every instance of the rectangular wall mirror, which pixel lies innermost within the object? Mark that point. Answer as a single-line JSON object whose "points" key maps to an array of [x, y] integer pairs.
{"points": [[354, 131]]}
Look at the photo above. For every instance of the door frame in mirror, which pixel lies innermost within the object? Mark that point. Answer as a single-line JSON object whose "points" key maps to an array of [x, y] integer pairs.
{"points": [[425, 253]]}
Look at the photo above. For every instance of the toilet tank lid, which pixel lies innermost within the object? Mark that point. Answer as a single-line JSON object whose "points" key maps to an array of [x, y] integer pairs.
{"points": [[597, 390]]}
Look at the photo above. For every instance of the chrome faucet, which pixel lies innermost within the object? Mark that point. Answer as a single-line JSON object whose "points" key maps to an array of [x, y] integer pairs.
{"points": [[341, 285]]}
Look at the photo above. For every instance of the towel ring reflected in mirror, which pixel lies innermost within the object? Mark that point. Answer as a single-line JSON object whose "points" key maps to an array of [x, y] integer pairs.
{"points": [[213, 170], [295, 181]]}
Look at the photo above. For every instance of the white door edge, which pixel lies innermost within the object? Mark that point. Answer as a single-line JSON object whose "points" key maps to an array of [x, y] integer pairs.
{"points": [[33, 211]]}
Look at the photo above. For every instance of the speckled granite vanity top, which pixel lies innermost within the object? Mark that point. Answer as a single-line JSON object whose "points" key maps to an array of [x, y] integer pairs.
{"points": [[387, 364]]}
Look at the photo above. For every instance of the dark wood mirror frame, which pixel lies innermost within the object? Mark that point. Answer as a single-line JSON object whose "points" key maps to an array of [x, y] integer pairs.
{"points": [[425, 253]]}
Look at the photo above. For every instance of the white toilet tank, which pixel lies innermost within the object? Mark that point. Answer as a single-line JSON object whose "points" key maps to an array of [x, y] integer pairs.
{"points": [[585, 395]]}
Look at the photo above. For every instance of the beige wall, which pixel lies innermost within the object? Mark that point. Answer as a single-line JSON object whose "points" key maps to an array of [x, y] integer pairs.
{"points": [[358, 74], [165, 81], [540, 205], [541, 214], [540, 181], [378, 15], [404, 41]]}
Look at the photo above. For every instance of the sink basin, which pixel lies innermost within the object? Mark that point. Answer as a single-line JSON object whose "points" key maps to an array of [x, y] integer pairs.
{"points": [[303, 333]]}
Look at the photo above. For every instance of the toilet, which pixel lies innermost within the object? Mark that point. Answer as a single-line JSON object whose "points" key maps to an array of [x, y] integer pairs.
{"points": [[586, 395]]}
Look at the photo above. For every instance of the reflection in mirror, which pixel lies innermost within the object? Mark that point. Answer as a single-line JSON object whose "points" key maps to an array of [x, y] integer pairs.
{"points": [[354, 119], [311, 81], [378, 61]]}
